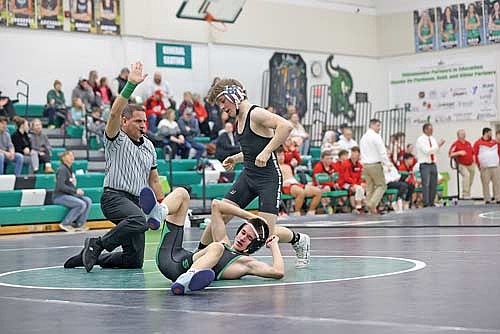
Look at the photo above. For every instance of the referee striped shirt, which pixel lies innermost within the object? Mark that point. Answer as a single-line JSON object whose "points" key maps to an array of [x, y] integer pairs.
{"points": [[128, 164]]}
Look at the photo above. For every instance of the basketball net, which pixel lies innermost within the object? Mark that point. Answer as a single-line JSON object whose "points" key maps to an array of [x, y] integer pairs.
{"points": [[214, 23]]}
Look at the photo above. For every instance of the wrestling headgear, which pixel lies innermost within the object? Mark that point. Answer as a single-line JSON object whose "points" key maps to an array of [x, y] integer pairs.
{"points": [[235, 94], [261, 231]]}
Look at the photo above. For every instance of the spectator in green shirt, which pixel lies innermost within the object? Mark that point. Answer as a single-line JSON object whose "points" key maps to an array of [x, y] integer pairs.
{"points": [[56, 105]]}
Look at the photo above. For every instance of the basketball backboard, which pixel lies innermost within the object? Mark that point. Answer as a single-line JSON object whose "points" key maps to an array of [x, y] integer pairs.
{"points": [[226, 11]]}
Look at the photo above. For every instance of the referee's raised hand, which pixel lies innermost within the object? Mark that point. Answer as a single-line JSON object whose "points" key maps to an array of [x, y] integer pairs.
{"points": [[136, 76]]}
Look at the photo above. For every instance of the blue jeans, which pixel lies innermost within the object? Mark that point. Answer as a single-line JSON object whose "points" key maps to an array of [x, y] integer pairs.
{"points": [[152, 119], [18, 163], [79, 208], [200, 148]]}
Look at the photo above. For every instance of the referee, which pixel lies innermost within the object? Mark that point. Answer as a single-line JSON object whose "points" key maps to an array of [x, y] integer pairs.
{"points": [[130, 166]]}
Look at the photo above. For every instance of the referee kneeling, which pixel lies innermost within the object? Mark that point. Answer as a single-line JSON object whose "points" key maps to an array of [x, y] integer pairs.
{"points": [[130, 166]]}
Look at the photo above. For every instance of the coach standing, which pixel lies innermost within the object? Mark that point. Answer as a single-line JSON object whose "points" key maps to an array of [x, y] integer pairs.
{"points": [[427, 147], [373, 156], [461, 151], [130, 166]]}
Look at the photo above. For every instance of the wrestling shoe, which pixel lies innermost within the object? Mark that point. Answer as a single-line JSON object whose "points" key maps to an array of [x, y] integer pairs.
{"points": [[74, 261], [192, 280], [155, 213], [91, 252], [302, 249]]}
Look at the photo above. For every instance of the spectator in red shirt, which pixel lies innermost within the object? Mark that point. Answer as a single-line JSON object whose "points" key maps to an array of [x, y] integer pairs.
{"points": [[407, 165], [292, 155], [350, 179], [201, 115], [325, 166], [337, 165], [462, 151], [155, 109], [486, 156]]}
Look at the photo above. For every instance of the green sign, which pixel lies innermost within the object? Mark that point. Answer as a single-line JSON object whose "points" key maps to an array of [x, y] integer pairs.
{"points": [[173, 55]]}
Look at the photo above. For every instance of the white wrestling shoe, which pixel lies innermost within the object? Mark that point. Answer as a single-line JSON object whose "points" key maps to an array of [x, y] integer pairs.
{"points": [[302, 249], [154, 212], [192, 280]]}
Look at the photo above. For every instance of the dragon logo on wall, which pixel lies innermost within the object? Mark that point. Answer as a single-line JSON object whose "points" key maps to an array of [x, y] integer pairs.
{"points": [[340, 90]]}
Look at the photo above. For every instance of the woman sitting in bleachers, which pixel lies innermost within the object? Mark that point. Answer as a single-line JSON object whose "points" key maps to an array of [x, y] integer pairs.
{"points": [[68, 195], [170, 133], [22, 144], [40, 144]]}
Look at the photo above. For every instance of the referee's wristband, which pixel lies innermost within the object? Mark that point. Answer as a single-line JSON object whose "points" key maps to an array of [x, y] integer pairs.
{"points": [[128, 90]]}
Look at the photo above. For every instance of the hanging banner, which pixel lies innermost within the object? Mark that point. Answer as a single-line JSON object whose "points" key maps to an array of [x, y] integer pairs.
{"points": [[50, 14], [493, 21], [448, 27], [424, 30], [108, 16], [82, 16], [443, 93], [472, 23], [22, 14], [4, 13]]}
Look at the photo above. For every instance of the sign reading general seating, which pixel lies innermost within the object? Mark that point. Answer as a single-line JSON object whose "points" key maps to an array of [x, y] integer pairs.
{"points": [[173, 55]]}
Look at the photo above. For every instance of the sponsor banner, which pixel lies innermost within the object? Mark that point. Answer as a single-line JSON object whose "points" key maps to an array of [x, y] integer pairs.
{"points": [[458, 92]]}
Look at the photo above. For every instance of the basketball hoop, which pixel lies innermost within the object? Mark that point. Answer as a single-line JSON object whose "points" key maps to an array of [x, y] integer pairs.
{"points": [[214, 23]]}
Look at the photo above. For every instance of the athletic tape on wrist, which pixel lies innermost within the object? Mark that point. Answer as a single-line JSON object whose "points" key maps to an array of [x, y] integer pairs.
{"points": [[128, 90]]}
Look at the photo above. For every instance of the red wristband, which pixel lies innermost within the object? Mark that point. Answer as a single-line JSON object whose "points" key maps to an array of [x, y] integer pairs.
{"points": [[160, 201]]}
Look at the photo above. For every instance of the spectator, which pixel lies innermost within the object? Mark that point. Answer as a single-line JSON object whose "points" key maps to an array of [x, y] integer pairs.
{"points": [[7, 152], [406, 166], [77, 112], [93, 78], [271, 109], [299, 134], [393, 181], [298, 190], [159, 84], [155, 109], [201, 115], [325, 166], [187, 103], [497, 136], [107, 96], [96, 125], [346, 142], [227, 143], [213, 111], [373, 157], [190, 129], [343, 156], [56, 105], [427, 147], [350, 179], [290, 110], [41, 145], [84, 91], [66, 194], [330, 144], [169, 131], [22, 144], [486, 157], [119, 82], [461, 151], [292, 156], [218, 127]]}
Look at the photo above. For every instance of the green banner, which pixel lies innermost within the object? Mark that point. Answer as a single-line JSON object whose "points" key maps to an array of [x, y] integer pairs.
{"points": [[173, 55]]}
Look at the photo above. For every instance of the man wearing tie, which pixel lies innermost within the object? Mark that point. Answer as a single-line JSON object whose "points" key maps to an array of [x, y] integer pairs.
{"points": [[427, 147]]}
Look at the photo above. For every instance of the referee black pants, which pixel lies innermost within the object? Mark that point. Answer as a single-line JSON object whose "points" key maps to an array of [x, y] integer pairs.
{"points": [[123, 210]]}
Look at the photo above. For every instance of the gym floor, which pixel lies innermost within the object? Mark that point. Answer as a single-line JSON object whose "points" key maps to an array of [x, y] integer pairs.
{"points": [[427, 270]]}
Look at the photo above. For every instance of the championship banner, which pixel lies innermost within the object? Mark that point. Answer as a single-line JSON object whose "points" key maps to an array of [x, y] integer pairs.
{"points": [[456, 92], [22, 14], [82, 16], [50, 14], [424, 30], [448, 27], [493, 21], [472, 23], [107, 13], [4, 13]]}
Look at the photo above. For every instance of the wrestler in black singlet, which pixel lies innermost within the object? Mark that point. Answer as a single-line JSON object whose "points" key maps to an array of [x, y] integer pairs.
{"points": [[254, 181]]}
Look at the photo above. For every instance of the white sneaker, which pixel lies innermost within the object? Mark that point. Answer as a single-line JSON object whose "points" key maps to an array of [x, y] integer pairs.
{"points": [[192, 280], [67, 228], [303, 250], [154, 212]]}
